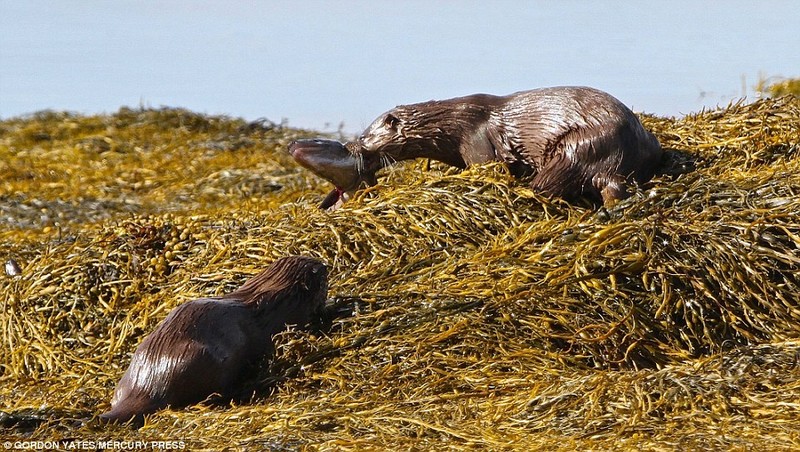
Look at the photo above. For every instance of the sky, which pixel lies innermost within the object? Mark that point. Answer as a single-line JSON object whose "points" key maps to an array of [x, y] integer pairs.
{"points": [[322, 64]]}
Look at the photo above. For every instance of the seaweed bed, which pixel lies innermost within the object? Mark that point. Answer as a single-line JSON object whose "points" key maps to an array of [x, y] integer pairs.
{"points": [[466, 310]]}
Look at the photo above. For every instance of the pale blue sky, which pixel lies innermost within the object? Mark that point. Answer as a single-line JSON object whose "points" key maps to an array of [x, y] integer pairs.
{"points": [[325, 62]]}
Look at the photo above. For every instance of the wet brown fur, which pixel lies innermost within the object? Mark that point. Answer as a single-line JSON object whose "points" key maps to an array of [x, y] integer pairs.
{"points": [[574, 141], [207, 346]]}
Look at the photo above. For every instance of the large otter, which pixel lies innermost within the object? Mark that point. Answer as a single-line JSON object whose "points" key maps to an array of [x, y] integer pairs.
{"points": [[207, 346], [575, 141]]}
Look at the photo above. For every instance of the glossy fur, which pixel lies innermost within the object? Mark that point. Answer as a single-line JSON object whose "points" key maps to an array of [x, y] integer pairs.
{"points": [[207, 346], [575, 141]]}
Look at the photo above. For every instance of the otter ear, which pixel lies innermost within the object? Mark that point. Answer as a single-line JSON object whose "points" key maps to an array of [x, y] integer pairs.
{"points": [[391, 122]]}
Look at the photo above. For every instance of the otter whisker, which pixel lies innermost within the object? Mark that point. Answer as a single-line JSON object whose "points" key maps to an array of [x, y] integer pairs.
{"points": [[387, 160], [357, 163]]}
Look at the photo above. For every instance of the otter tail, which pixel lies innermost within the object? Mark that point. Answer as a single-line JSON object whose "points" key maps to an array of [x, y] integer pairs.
{"points": [[129, 411]]}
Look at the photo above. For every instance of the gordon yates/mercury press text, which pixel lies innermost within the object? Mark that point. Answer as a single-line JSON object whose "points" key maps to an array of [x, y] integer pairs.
{"points": [[79, 444]]}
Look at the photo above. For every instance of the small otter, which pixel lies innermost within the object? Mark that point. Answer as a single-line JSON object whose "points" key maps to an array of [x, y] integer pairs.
{"points": [[207, 346], [335, 162], [574, 141]]}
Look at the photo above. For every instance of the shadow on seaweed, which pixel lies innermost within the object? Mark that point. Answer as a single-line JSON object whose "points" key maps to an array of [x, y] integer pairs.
{"points": [[675, 162], [25, 421]]}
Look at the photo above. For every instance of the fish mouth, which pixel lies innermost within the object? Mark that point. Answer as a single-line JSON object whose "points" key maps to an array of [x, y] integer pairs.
{"points": [[341, 164], [304, 151], [328, 159]]}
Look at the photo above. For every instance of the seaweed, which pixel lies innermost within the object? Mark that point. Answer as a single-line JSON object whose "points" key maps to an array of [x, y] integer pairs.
{"points": [[470, 312]]}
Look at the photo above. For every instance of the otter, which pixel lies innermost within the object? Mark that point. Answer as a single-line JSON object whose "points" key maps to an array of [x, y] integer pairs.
{"points": [[210, 346], [573, 141]]}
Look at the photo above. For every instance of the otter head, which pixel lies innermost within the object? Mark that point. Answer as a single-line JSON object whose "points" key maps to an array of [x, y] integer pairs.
{"points": [[428, 130], [300, 280], [341, 164], [394, 134]]}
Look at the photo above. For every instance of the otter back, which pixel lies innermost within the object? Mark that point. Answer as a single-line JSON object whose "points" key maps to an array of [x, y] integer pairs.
{"points": [[574, 141], [207, 346]]}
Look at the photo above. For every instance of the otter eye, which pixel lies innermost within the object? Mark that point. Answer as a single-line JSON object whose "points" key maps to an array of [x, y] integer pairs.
{"points": [[391, 122]]}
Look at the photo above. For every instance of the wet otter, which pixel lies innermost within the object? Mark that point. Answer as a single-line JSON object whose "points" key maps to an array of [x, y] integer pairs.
{"points": [[207, 346], [574, 141]]}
